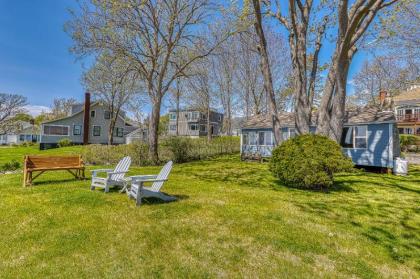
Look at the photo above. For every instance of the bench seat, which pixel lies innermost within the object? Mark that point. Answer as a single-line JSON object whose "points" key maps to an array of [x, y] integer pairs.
{"points": [[41, 164]]}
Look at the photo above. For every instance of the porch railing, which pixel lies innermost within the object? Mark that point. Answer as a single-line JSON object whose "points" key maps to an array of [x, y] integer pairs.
{"points": [[415, 117]]}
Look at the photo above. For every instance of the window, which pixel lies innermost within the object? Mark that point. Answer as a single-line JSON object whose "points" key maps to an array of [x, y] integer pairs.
{"points": [[56, 130], [119, 132], [107, 114], [401, 130], [265, 138], [354, 137], [96, 131], [418, 132], [245, 139], [292, 133], [172, 127], [360, 137], [77, 130], [220, 117], [408, 131], [92, 114], [194, 127], [21, 137], [203, 128], [252, 138], [195, 115], [172, 116]]}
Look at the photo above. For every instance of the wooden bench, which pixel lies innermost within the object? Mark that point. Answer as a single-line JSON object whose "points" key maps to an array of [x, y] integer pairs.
{"points": [[41, 164]]}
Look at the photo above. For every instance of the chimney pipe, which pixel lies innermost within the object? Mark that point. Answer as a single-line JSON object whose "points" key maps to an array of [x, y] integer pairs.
{"points": [[86, 119]]}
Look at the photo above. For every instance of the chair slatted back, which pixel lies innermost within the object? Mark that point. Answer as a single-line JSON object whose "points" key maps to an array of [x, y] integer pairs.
{"points": [[122, 165], [164, 173]]}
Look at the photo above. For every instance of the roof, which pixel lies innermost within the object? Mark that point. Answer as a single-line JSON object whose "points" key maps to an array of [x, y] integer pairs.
{"points": [[96, 103], [193, 109], [357, 116], [409, 95]]}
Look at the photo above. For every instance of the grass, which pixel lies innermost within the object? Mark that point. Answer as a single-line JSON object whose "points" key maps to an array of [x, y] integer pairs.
{"points": [[232, 220], [8, 153]]}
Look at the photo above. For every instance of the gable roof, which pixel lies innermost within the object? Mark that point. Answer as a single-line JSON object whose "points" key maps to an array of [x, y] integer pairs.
{"points": [[356, 116], [94, 104]]}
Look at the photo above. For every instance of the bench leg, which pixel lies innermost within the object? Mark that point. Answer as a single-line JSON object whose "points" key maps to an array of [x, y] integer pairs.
{"points": [[24, 178]]}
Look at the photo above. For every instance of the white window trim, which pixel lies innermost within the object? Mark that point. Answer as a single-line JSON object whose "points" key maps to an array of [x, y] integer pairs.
{"points": [[93, 130], [68, 130], [81, 129], [116, 132], [354, 138]]}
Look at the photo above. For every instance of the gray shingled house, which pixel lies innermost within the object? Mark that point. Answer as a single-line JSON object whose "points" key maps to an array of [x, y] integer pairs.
{"points": [[85, 127], [193, 123], [370, 136]]}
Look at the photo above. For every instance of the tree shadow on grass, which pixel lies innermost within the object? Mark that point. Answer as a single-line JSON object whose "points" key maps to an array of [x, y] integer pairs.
{"points": [[54, 181], [338, 186], [152, 201]]}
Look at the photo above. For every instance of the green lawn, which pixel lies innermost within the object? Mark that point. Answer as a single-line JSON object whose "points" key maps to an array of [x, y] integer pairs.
{"points": [[232, 220], [8, 153]]}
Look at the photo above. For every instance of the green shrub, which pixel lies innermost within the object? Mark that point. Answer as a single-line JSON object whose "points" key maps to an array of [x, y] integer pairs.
{"points": [[308, 162], [177, 149], [64, 142], [180, 148], [11, 166], [409, 142]]}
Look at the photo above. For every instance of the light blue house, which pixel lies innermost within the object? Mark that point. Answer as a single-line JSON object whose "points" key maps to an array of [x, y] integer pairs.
{"points": [[370, 136]]}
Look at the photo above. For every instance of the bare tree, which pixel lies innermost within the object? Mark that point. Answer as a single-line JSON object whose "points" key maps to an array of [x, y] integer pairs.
{"points": [[224, 66], [61, 107], [266, 70], [149, 34], [199, 90], [10, 105], [112, 81], [382, 73], [249, 81], [353, 22]]}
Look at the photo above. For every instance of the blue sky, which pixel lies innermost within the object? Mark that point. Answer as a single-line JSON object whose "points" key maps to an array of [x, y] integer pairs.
{"points": [[34, 52], [34, 56]]}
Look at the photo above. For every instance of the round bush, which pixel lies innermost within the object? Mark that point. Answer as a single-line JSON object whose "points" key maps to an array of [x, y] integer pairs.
{"points": [[308, 162], [64, 142]]}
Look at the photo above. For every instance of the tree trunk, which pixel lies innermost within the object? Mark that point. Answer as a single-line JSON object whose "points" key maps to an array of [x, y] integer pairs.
{"points": [[266, 71], [111, 130], [153, 130], [177, 110], [209, 135]]}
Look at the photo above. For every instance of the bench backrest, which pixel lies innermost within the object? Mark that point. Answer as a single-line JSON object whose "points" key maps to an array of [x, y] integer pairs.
{"points": [[45, 162]]}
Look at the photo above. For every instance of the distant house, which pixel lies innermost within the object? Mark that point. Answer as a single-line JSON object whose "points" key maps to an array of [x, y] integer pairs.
{"points": [[85, 127], [407, 109], [370, 136], [21, 132], [138, 135], [193, 123]]}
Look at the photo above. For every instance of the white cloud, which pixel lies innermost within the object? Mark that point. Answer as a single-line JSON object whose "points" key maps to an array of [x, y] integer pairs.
{"points": [[36, 110]]}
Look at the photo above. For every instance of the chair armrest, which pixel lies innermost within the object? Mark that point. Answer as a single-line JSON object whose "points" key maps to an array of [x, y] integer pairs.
{"points": [[145, 179], [102, 170], [95, 172], [136, 177]]}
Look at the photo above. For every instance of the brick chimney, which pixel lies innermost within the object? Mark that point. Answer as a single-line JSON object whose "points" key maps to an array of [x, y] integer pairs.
{"points": [[382, 97], [86, 119]]}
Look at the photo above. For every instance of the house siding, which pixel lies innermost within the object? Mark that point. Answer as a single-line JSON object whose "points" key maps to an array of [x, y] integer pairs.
{"points": [[77, 119], [381, 143], [216, 120]]}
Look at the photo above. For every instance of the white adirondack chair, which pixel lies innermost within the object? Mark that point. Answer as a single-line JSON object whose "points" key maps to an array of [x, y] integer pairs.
{"points": [[114, 177], [139, 191]]}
